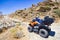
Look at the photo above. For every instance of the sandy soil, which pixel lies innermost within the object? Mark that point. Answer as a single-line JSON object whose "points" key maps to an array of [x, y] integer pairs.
{"points": [[32, 36]]}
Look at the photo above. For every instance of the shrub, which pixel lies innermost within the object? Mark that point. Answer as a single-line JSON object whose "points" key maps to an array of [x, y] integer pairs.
{"points": [[18, 24], [50, 4], [57, 12], [55, 8], [1, 30], [17, 32], [56, 3], [4, 28], [44, 9], [38, 13]]}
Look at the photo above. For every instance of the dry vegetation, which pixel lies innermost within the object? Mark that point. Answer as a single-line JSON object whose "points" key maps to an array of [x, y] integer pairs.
{"points": [[41, 9]]}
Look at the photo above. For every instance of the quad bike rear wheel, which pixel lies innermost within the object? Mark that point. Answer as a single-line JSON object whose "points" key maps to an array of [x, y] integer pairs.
{"points": [[44, 33]]}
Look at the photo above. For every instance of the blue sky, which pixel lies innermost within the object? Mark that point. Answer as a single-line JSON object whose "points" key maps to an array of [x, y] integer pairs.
{"points": [[9, 6]]}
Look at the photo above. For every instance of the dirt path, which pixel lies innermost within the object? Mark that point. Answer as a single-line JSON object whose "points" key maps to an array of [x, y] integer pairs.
{"points": [[32, 36]]}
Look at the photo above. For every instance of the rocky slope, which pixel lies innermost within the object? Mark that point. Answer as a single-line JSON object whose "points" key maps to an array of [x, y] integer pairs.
{"points": [[41, 9], [18, 22], [30, 36]]}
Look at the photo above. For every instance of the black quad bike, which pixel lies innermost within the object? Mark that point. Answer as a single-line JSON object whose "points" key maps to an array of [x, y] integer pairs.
{"points": [[43, 28]]}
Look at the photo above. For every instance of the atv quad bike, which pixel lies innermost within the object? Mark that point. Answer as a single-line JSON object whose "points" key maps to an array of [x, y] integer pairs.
{"points": [[43, 28]]}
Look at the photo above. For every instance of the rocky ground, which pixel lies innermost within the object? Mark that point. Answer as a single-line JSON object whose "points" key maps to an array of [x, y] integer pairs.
{"points": [[31, 36], [17, 22]]}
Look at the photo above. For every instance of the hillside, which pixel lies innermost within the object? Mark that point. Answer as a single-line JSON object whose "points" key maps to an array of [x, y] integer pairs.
{"points": [[42, 9], [15, 25]]}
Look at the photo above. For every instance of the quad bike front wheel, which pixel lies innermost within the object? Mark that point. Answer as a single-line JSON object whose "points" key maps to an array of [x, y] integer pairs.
{"points": [[30, 29], [44, 33]]}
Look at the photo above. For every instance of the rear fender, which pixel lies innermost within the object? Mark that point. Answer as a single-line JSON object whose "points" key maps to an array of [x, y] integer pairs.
{"points": [[45, 27]]}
